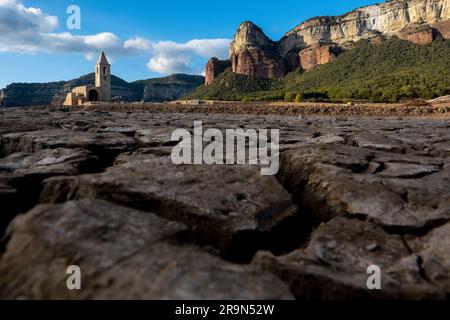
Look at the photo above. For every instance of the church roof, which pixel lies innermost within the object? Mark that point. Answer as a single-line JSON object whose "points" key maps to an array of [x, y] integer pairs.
{"points": [[102, 59]]}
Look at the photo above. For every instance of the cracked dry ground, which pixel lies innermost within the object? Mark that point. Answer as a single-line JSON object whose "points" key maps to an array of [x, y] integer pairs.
{"points": [[98, 190]]}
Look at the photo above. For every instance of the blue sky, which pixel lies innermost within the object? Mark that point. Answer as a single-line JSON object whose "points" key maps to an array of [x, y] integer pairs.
{"points": [[157, 35]]}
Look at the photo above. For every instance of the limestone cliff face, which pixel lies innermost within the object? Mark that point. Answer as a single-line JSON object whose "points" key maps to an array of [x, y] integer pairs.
{"points": [[387, 18], [320, 40], [253, 53]]}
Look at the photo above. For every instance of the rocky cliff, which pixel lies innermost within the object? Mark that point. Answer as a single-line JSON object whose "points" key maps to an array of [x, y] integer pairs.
{"points": [[253, 53], [319, 40], [317, 55], [214, 67], [382, 70], [156, 89], [387, 18]]}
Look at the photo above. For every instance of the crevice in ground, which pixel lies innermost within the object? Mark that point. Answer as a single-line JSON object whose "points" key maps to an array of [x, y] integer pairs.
{"points": [[4, 240], [289, 235], [420, 266], [28, 191], [29, 188], [302, 199], [420, 231]]}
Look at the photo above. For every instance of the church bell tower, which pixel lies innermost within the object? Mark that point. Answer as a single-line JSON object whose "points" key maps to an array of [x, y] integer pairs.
{"points": [[103, 78]]}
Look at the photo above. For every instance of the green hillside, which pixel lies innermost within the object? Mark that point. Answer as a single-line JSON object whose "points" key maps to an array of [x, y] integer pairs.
{"points": [[177, 78], [388, 72], [232, 86]]}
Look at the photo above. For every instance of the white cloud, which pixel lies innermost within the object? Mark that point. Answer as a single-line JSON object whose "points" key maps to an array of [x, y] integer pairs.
{"points": [[20, 27], [29, 30], [137, 43], [67, 42], [205, 48], [15, 17], [172, 57], [168, 64]]}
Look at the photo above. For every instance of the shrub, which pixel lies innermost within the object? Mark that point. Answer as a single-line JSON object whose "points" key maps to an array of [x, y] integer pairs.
{"points": [[290, 96]]}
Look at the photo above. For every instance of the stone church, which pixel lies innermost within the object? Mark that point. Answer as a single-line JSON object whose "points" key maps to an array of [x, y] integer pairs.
{"points": [[101, 91]]}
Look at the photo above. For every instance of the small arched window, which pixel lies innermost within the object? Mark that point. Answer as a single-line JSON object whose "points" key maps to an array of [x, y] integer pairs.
{"points": [[104, 70]]}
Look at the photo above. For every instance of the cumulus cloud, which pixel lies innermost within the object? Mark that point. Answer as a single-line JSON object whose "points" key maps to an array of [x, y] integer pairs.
{"points": [[30, 30], [15, 17], [167, 65], [137, 43], [67, 42], [172, 57], [216, 47], [25, 29], [20, 27]]}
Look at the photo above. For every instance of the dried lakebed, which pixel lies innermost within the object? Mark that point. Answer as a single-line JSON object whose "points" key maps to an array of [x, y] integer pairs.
{"points": [[98, 190]]}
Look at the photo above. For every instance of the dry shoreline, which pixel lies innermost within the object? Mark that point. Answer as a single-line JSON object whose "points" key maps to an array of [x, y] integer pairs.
{"points": [[438, 110], [98, 189]]}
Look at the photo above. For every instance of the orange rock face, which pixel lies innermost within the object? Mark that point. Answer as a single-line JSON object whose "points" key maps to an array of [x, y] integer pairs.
{"points": [[259, 63], [317, 55], [214, 67], [418, 34], [379, 39], [443, 28]]}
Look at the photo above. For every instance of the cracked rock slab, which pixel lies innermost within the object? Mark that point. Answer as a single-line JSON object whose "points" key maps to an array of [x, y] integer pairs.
{"points": [[122, 254], [155, 137], [334, 264], [21, 175], [102, 144], [434, 251], [49, 162], [399, 192], [233, 207], [376, 142], [22, 121], [392, 173], [407, 170]]}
